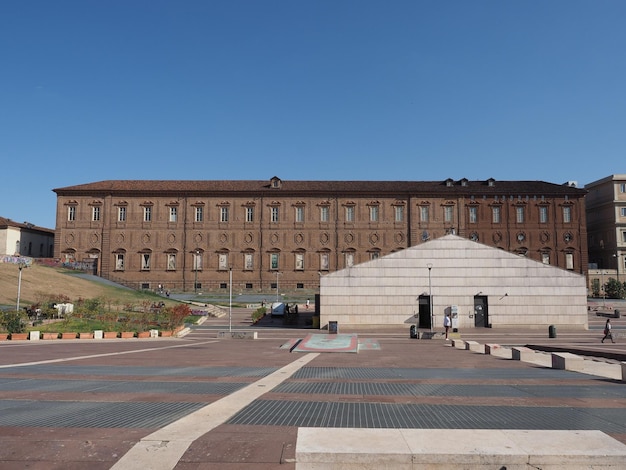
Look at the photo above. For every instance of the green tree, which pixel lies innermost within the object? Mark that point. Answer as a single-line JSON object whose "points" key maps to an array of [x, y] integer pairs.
{"points": [[615, 289]]}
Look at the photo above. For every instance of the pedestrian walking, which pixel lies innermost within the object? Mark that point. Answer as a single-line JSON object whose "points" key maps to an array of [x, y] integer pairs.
{"points": [[307, 303], [447, 323], [608, 334]]}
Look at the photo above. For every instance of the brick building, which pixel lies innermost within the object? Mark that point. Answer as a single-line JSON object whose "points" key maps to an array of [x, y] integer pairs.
{"points": [[188, 235]]}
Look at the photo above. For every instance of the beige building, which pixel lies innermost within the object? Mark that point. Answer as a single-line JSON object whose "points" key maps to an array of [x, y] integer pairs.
{"points": [[606, 227], [25, 239], [479, 286], [189, 235]]}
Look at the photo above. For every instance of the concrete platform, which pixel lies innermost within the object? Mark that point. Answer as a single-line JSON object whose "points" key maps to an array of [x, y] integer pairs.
{"points": [[373, 449]]}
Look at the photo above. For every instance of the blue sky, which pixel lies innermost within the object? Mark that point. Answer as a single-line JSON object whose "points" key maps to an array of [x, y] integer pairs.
{"points": [[319, 90]]}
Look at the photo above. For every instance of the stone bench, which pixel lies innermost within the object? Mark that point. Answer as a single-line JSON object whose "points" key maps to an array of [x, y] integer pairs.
{"points": [[237, 334], [478, 449], [458, 343], [475, 346], [567, 361], [498, 351], [522, 353]]}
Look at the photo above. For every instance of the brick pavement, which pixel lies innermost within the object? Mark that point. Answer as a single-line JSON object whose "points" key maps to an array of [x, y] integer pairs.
{"points": [[85, 404]]}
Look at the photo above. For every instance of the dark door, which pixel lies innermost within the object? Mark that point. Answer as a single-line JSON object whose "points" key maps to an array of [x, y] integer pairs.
{"points": [[424, 312], [481, 311]]}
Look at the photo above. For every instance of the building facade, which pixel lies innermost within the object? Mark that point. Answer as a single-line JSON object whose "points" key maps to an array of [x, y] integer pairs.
{"points": [[195, 235], [25, 239], [606, 227]]}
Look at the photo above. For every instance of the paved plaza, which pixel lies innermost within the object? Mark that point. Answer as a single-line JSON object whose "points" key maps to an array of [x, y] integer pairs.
{"points": [[200, 402]]}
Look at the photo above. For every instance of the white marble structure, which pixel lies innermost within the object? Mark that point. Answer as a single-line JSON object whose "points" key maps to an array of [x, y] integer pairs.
{"points": [[517, 291]]}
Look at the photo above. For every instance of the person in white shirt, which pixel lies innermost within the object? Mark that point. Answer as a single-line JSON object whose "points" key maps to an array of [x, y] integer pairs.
{"points": [[447, 323]]}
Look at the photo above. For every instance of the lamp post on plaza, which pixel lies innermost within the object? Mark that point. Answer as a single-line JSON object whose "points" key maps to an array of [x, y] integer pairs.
{"points": [[21, 265], [277, 274], [616, 256], [430, 295], [195, 269], [230, 302]]}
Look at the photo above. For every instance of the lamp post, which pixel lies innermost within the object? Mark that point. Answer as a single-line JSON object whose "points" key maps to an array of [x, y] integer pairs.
{"points": [[21, 265], [195, 269], [603, 289], [430, 295], [277, 274], [616, 256], [230, 303]]}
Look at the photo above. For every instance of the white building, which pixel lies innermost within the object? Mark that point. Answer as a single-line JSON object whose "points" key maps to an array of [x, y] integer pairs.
{"points": [[479, 285], [25, 239]]}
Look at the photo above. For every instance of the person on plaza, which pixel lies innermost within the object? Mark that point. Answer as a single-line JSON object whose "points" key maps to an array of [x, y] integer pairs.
{"points": [[607, 331], [447, 323], [307, 303]]}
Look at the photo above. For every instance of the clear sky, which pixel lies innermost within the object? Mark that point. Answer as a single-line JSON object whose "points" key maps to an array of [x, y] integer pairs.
{"points": [[93, 90]]}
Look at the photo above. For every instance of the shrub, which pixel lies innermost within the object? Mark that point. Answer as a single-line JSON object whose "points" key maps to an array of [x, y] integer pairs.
{"points": [[13, 322]]}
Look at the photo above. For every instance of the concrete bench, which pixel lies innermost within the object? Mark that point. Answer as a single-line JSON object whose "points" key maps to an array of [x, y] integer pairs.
{"points": [[344, 448], [458, 343], [237, 334], [498, 351], [567, 361], [522, 353], [475, 346]]}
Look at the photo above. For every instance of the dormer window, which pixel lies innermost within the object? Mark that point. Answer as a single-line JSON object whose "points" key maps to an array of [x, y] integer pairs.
{"points": [[449, 182], [276, 183], [464, 182]]}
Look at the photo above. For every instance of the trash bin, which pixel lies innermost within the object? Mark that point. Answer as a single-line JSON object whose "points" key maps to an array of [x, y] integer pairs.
{"points": [[413, 331], [552, 331], [316, 322], [333, 327], [617, 314]]}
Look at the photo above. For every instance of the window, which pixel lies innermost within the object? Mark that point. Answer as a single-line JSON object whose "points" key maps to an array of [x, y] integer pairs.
{"points": [[623, 211], [473, 215], [448, 214], [622, 187], [71, 213], [222, 261], [119, 261], [145, 261], [424, 213], [496, 214], [545, 258], [95, 213], [374, 255], [543, 215], [350, 214], [274, 261], [349, 259], [324, 214], [373, 213], [171, 261], [274, 215], [121, 214], [198, 214], [223, 214], [519, 214], [569, 260], [299, 261], [624, 236], [147, 214], [399, 213], [567, 214], [197, 261], [300, 214], [173, 214], [249, 214], [324, 261], [248, 261]]}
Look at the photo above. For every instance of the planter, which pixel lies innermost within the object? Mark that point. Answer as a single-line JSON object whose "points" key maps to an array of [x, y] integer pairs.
{"points": [[110, 334], [19, 336], [166, 333], [85, 335], [69, 335], [127, 334], [4, 337], [49, 335], [143, 334]]}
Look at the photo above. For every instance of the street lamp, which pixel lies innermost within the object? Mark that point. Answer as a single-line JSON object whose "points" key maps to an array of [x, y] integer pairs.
{"points": [[195, 266], [603, 289], [21, 265], [230, 303], [430, 295], [616, 256], [277, 274]]}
